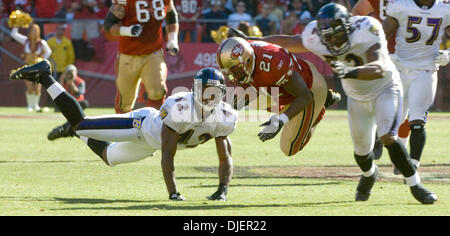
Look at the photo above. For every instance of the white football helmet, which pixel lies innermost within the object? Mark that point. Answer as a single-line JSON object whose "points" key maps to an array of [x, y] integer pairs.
{"points": [[236, 60]]}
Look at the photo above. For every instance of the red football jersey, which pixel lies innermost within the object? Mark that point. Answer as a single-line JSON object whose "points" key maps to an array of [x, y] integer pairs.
{"points": [[380, 7], [188, 9], [150, 14], [274, 67]]}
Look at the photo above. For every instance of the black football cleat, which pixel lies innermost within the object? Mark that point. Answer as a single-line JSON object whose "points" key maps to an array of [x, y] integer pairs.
{"points": [[217, 197], [31, 73], [423, 195], [332, 98], [62, 131], [365, 186]]}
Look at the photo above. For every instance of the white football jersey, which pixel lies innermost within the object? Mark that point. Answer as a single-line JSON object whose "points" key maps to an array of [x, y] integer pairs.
{"points": [[419, 33], [179, 114], [367, 32]]}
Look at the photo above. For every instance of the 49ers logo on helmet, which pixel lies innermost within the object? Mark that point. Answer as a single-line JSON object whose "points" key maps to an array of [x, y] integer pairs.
{"points": [[237, 51]]}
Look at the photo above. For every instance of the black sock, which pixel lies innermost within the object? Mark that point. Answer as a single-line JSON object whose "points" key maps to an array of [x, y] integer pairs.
{"points": [[98, 146], [67, 104], [400, 158], [364, 162], [47, 80], [417, 141]]}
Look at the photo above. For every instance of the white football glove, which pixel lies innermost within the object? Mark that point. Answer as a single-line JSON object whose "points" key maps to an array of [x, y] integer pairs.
{"points": [[131, 31], [340, 68], [172, 45], [443, 59], [272, 127]]}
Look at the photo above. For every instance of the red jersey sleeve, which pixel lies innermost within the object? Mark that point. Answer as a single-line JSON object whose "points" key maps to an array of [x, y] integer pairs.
{"points": [[273, 65]]}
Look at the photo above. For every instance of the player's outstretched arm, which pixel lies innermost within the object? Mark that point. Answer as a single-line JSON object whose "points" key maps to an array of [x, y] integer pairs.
{"points": [[168, 151], [223, 146], [390, 26], [374, 69], [172, 29], [113, 22], [292, 43]]}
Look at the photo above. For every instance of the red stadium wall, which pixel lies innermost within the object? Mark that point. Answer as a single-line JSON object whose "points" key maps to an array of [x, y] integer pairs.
{"points": [[99, 73]]}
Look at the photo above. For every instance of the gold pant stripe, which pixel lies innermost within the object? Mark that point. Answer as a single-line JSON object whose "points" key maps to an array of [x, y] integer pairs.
{"points": [[304, 129]]}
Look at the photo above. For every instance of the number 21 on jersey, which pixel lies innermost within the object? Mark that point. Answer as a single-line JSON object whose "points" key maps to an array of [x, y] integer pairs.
{"points": [[265, 66], [143, 10]]}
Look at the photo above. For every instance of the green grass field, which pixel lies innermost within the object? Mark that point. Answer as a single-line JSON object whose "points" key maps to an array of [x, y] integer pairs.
{"points": [[39, 177]]}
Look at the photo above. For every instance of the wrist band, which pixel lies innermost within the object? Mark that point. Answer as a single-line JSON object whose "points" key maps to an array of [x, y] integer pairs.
{"points": [[125, 31], [283, 117], [173, 36]]}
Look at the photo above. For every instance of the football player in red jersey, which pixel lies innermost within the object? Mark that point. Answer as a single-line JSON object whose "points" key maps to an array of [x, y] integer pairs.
{"points": [[188, 10], [377, 9], [302, 89], [138, 23]]}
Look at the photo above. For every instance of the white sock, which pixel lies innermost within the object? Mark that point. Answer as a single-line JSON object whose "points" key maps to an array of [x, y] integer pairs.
{"points": [[413, 180], [370, 172], [55, 90], [36, 99], [404, 141], [29, 101], [415, 163]]}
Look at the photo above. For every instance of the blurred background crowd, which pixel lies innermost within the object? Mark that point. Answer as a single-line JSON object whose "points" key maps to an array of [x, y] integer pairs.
{"points": [[199, 17], [73, 28]]}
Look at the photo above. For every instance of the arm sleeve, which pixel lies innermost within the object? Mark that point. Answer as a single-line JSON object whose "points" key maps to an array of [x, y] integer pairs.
{"points": [[172, 118], [18, 36], [394, 10], [308, 34], [227, 127]]}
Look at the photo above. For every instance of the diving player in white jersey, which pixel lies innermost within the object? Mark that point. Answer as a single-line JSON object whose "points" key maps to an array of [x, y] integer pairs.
{"points": [[420, 27], [184, 121], [357, 49]]}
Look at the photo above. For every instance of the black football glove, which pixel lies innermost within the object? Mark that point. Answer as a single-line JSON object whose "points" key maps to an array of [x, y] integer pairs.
{"points": [[176, 197], [271, 128], [136, 30], [232, 32], [220, 194]]}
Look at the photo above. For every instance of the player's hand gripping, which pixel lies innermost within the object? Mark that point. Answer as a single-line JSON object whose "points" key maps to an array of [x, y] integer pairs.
{"points": [[172, 45], [272, 127], [340, 69], [232, 32], [443, 59], [131, 31]]}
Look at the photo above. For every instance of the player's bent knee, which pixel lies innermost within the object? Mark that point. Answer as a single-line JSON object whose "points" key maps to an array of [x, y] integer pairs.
{"points": [[388, 139], [156, 94]]}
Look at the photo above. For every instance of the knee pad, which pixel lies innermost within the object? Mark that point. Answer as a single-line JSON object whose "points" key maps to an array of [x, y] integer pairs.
{"points": [[156, 94]]}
